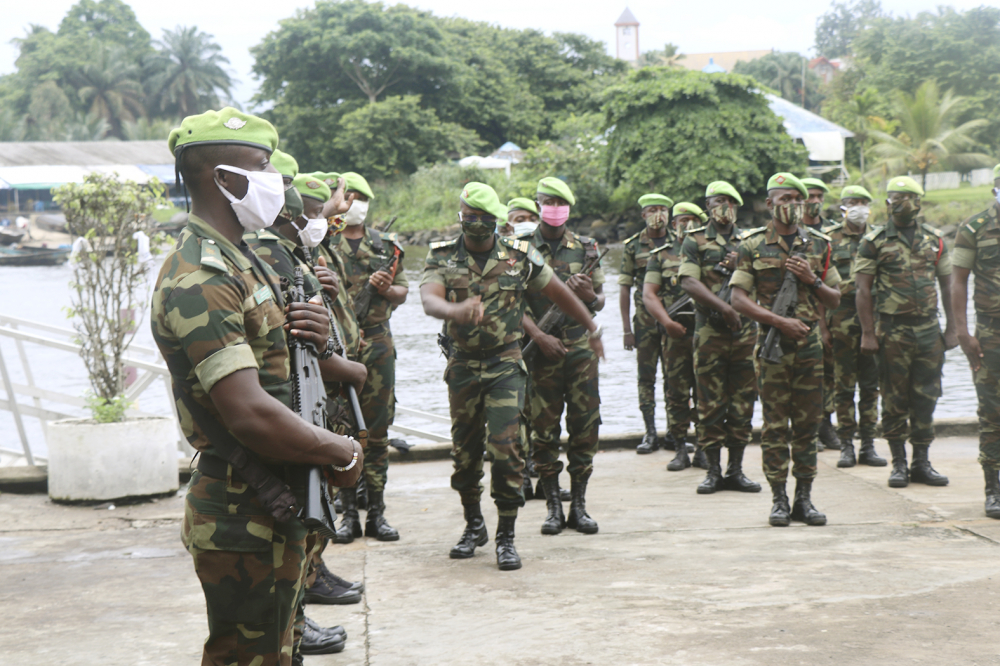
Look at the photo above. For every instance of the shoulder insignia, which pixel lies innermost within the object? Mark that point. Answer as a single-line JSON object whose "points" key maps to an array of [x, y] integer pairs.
{"points": [[534, 256], [819, 234], [747, 233], [436, 245], [874, 233], [632, 238], [663, 247], [524, 234], [974, 225], [267, 234], [833, 227], [933, 230], [696, 230], [211, 256]]}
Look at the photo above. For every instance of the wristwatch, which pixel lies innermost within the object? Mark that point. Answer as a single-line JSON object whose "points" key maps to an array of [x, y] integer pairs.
{"points": [[818, 283], [592, 306]]}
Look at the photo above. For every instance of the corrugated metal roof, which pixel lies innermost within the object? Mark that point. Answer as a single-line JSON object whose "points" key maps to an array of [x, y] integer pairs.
{"points": [[798, 121], [83, 153], [43, 177]]}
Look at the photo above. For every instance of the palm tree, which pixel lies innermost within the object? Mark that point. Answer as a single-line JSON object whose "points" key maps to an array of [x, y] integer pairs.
{"points": [[110, 85], [860, 115], [668, 57], [928, 138], [187, 73]]}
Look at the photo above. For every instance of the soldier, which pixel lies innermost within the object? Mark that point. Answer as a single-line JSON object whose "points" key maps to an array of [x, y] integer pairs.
{"points": [[723, 343], [851, 367], [791, 389], [372, 258], [647, 340], [901, 261], [977, 250], [477, 284], [565, 370], [521, 213], [217, 320]]}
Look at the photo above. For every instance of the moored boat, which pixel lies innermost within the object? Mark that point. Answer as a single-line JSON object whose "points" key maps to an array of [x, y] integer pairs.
{"points": [[33, 256]]}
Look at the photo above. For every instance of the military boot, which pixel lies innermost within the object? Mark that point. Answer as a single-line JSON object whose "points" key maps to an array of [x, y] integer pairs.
{"points": [[338, 501], [350, 522], [735, 479], [713, 479], [899, 477], [650, 442], [507, 557], [828, 434], [555, 521], [475, 533], [820, 447], [921, 470], [362, 494], [992, 493], [698, 458], [847, 458], [375, 523], [681, 460], [526, 487], [578, 518], [780, 513], [868, 456], [539, 494], [668, 442], [803, 510], [321, 640]]}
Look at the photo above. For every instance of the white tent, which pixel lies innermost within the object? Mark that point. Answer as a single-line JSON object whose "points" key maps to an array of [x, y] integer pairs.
{"points": [[479, 162]]}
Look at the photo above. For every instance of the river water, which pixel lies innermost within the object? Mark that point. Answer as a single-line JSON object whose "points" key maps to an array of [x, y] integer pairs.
{"points": [[41, 293]]}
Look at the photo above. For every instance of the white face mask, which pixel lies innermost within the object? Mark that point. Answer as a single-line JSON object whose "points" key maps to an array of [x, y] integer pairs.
{"points": [[858, 215], [264, 199], [356, 214], [313, 233]]}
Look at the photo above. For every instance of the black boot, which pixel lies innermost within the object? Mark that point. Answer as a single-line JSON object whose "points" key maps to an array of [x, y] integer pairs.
{"points": [[375, 523], [992, 493], [649, 442], [780, 513], [475, 534], [350, 523], [362, 494], [507, 557], [539, 493], [668, 442], [698, 458], [681, 460], [868, 456], [803, 510], [900, 475], [338, 502], [564, 493], [578, 518], [526, 487], [322, 640], [828, 434], [921, 470], [820, 447], [735, 478], [334, 579], [555, 521], [847, 458], [713, 479], [333, 590]]}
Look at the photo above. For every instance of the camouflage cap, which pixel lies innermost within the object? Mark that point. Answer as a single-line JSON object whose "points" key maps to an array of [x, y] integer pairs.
{"points": [[309, 185], [556, 187], [856, 192], [227, 125], [522, 203], [355, 182], [722, 187], [655, 200], [786, 181], [904, 184], [686, 208], [483, 197], [285, 164], [815, 184]]}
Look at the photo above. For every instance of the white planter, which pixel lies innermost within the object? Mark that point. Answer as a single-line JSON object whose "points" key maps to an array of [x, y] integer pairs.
{"points": [[103, 461]]}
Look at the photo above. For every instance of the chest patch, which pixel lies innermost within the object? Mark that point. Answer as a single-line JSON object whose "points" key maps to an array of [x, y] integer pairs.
{"points": [[262, 294]]}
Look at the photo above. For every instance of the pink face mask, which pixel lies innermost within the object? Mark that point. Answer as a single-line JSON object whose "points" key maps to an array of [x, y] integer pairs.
{"points": [[555, 216]]}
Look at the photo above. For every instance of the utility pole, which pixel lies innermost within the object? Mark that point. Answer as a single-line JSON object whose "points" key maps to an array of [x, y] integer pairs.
{"points": [[803, 82]]}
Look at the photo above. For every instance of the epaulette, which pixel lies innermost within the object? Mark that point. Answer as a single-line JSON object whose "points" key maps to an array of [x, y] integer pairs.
{"points": [[974, 225], [631, 238], [525, 234], [437, 245], [389, 236], [747, 233], [873, 234], [819, 234], [696, 230], [833, 227], [933, 230], [211, 257], [523, 246], [665, 246]]}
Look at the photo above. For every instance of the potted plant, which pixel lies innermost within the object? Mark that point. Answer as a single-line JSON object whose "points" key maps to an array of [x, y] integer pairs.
{"points": [[110, 455]]}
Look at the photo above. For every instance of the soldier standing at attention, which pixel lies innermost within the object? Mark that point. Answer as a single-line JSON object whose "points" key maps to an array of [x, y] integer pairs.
{"points": [[901, 261], [647, 340], [366, 254], [790, 390], [565, 372], [977, 250], [520, 211], [477, 284], [723, 343], [218, 321], [851, 367]]}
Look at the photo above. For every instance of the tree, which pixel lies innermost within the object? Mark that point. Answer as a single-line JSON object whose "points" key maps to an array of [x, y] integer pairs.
{"points": [[186, 74], [783, 73], [110, 86], [107, 22], [670, 56], [862, 113], [836, 30]]}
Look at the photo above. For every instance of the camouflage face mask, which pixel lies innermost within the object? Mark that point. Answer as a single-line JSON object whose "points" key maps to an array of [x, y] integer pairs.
{"points": [[477, 228], [656, 220], [724, 214], [906, 209], [789, 214], [812, 209]]}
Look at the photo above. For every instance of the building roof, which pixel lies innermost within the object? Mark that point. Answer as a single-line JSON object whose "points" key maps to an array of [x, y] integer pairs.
{"points": [[798, 121], [724, 59], [627, 18], [712, 68], [83, 153]]}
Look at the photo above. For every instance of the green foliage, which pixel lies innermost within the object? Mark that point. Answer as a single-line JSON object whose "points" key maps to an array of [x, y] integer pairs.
{"points": [[783, 73], [104, 410], [669, 56], [186, 74], [836, 30]]}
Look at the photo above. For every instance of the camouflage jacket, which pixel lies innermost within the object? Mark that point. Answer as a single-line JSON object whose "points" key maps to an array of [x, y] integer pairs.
{"points": [[343, 308], [375, 248], [283, 255], [977, 248], [215, 312], [571, 254], [635, 256], [513, 269], [662, 268], [904, 275], [761, 266], [703, 249]]}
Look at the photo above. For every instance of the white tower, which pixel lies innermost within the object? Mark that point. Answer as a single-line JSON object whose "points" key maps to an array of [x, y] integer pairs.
{"points": [[627, 37]]}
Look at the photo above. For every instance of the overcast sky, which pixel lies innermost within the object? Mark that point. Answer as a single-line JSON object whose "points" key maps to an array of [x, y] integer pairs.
{"points": [[706, 25]]}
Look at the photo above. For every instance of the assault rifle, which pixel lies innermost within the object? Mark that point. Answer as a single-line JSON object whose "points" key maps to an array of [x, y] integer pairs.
{"points": [[554, 318], [363, 301], [725, 292], [784, 306]]}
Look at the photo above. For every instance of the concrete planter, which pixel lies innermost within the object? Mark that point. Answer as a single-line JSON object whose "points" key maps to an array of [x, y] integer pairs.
{"points": [[103, 461]]}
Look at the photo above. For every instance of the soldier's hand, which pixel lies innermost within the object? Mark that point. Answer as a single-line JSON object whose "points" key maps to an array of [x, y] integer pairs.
{"points": [[310, 322], [583, 287], [597, 347], [869, 345], [552, 346], [675, 329], [359, 375], [973, 352], [800, 268], [793, 329], [327, 278], [950, 338], [732, 317], [629, 340], [381, 280], [730, 260], [350, 477], [469, 311]]}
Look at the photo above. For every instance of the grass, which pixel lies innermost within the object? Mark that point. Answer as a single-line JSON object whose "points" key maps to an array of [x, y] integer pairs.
{"points": [[164, 214], [982, 194]]}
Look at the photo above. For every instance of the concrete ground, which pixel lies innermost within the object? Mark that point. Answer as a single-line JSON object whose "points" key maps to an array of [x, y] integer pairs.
{"points": [[898, 576]]}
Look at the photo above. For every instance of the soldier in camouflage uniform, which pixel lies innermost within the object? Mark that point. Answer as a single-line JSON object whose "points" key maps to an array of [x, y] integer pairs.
{"points": [[521, 213], [477, 285], [565, 370], [851, 367], [217, 321], [977, 250], [723, 364], [365, 253], [791, 390], [901, 261], [647, 340]]}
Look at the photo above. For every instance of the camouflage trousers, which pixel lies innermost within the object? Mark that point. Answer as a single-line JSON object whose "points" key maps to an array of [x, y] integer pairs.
{"points": [[910, 359], [486, 398], [682, 398], [251, 569], [650, 351], [378, 406], [726, 384], [570, 381], [853, 369], [987, 380], [791, 391], [829, 379], [315, 544]]}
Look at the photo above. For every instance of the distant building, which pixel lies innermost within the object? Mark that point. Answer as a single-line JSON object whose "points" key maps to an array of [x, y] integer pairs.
{"points": [[627, 37], [723, 59], [827, 68], [712, 68]]}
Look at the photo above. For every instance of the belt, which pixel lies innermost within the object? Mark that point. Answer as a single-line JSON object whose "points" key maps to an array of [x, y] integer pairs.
{"points": [[905, 320], [989, 320], [217, 468], [571, 332], [482, 354], [378, 329]]}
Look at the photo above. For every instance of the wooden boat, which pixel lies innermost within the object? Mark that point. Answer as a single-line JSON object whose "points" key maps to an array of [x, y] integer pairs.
{"points": [[10, 237], [33, 256]]}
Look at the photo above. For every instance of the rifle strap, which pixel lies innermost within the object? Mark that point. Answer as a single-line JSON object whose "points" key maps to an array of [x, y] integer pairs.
{"points": [[826, 267]]}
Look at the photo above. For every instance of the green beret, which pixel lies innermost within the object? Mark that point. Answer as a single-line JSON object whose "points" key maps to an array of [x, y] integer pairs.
{"points": [[309, 185], [354, 182], [483, 197], [521, 203], [285, 164], [722, 187], [226, 126], [328, 177], [815, 184], [856, 192], [655, 200], [786, 181], [996, 172], [685, 208], [556, 188], [904, 184]]}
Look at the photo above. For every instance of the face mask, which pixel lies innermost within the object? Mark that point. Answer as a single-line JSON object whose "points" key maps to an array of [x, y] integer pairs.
{"points": [[789, 214], [264, 199], [858, 215], [555, 216], [905, 210], [356, 214], [723, 214], [812, 209], [293, 206], [313, 233], [656, 220], [477, 229]]}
